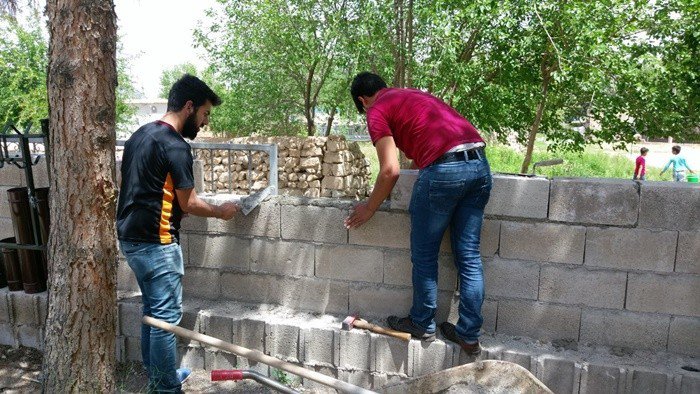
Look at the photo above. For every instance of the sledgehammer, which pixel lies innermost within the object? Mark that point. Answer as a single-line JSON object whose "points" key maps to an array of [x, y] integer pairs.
{"points": [[354, 321]]}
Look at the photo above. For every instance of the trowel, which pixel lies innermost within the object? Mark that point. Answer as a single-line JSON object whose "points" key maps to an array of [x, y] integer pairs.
{"points": [[249, 203]]}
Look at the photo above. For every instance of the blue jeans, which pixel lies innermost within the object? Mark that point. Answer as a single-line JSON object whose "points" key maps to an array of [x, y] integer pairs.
{"points": [[159, 270], [453, 194]]}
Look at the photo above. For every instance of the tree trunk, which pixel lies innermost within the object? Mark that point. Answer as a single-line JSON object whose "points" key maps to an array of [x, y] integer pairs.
{"points": [[546, 73], [80, 351], [308, 107], [329, 125]]}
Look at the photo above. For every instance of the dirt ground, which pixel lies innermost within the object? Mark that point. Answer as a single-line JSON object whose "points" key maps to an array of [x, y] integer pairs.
{"points": [[20, 372]]}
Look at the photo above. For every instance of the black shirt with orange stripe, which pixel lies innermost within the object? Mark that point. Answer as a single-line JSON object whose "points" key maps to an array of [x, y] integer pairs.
{"points": [[156, 162]]}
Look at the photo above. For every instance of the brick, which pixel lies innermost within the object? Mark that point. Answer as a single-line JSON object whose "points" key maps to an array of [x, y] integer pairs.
{"points": [[321, 347], [201, 283], [594, 201], [318, 224], [683, 336], [403, 189], [218, 251], [220, 327], [511, 278], [631, 249], [249, 334], [601, 379], [520, 358], [374, 232], [647, 382], [670, 206], [5, 309], [130, 319], [559, 375], [677, 294], [538, 320], [624, 329], [346, 262], [556, 243], [282, 341], [309, 294], [355, 350], [390, 354], [490, 237], [126, 280], [430, 357], [688, 257], [398, 269], [7, 334], [394, 301], [281, 257], [263, 221], [24, 308], [518, 197], [598, 288]]}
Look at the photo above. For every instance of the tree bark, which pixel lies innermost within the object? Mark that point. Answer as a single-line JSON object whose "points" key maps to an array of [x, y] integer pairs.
{"points": [[308, 107], [534, 128], [329, 124], [80, 351]]}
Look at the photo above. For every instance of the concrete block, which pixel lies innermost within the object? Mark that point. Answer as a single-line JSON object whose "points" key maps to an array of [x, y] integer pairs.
{"points": [[25, 308], [598, 288], [684, 336], [647, 382], [690, 384], [380, 380], [191, 356], [5, 211], [249, 334], [391, 355], [429, 357], [403, 189], [318, 224], [489, 311], [688, 256], [42, 302], [511, 278], [201, 283], [594, 201], [130, 319], [126, 281], [631, 249], [133, 349], [198, 173], [379, 301], [315, 387], [358, 378], [6, 229], [218, 359], [670, 206], [30, 336], [193, 320], [263, 221], [283, 341], [355, 350], [40, 173], [7, 334], [308, 294], [321, 347], [601, 379], [398, 269], [556, 243], [517, 357], [677, 294], [374, 232], [347, 262], [518, 197], [218, 251], [624, 329], [217, 326], [281, 257], [120, 348], [490, 237], [10, 175], [559, 375], [538, 320], [5, 308]]}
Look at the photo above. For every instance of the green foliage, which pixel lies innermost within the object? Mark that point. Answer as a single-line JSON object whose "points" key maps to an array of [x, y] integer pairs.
{"points": [[281, 377], [169, 76]]}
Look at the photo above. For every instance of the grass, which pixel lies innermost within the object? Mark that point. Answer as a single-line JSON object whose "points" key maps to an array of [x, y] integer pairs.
{"points": [[592, 163]]}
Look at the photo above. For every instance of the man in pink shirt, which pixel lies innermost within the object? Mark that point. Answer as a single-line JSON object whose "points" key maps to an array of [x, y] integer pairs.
{"points": [[452, 189], [640, 166]]}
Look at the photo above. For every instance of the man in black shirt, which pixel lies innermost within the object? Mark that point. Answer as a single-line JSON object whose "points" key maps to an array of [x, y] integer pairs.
{"points": [[157, 188]]}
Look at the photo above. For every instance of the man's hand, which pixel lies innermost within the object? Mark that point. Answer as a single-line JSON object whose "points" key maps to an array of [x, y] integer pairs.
{"points": [[228, 210], [359, 215]]}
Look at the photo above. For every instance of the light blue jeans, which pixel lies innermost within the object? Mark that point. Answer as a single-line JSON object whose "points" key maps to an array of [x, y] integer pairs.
{"points": [[449, 194], [159, 270]]}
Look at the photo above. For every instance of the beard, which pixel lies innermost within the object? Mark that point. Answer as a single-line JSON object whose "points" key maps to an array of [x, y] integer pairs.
{"points": [[190, 128]]}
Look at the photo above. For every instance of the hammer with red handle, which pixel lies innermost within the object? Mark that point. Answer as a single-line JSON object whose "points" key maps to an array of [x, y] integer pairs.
{"points": [[354, 321]]}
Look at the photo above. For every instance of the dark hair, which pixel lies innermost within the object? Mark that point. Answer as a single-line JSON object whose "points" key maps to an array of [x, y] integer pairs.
{"points": [[365, 84], [187, 88], [644, 150], [676, 148]]}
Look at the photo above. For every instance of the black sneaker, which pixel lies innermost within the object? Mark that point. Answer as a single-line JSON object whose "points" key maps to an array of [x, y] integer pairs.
{"points": [[405, 324], [449, 332]]}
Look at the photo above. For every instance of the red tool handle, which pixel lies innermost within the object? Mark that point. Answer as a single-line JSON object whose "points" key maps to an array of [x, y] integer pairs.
{"points": [[226, 374]]}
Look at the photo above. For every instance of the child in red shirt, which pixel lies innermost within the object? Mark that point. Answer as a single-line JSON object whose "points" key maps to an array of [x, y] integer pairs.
{"points": [[640, 168]]}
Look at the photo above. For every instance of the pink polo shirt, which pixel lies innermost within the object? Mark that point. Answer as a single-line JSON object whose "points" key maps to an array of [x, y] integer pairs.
{"points": [[423, 126]]}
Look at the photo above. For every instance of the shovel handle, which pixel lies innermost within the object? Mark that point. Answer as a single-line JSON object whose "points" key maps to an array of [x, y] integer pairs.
{"points": [[359, 323]]}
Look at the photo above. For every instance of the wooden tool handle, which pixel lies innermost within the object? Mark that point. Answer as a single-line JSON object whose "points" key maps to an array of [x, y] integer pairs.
{"points": [[359, 323]]}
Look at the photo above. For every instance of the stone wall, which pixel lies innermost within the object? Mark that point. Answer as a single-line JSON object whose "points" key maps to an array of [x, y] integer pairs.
{"points": [[308, 166]]}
